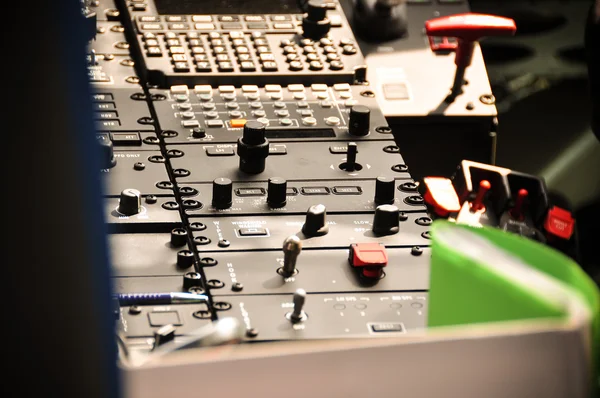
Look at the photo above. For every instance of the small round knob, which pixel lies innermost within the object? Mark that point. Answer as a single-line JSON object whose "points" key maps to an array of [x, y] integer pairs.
{"points": [[254, 133], [360, 120], [315, 24], [385, 190], [130, 202], [191, 279], [253, 148], [178, 237], [185, 259], [386, 220], [277, 192], [107, 154], [222, 193], [316, 221]]}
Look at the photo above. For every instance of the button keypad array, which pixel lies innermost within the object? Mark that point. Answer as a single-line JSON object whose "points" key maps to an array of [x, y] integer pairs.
{"points": [[212, 52], [193, 49], [292, 112], [272, 23]]}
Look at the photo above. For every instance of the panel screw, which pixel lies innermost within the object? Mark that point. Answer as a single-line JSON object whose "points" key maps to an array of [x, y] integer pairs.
{"points": [[416, 251], [208, 262], [215, 284], [139, 166], [198, 226], [202, 314], [487, 99], [424, 221], [383, 129], [222, 306], [138, 96], [408, 187], [145, 120], [135, 310], [237, 287], [201, 240], [223, 243], [252, 332], [400, 168], [158, 97]]}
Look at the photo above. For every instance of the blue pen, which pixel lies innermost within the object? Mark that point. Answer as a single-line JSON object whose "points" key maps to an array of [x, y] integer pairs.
{"points": [[160, 298]]}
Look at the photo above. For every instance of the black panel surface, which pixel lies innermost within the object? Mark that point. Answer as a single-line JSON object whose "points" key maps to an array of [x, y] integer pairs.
{"points": [[343, 230], [303, 160], [318, 271]]}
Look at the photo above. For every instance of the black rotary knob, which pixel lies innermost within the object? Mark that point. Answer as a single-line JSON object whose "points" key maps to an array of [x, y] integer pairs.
{"points": [[130, 202], [222, 193], [277, 192], [191, 279], [386, 220], [178, 237], [185, 259], [315, 223], [380, 20], [107, 154], [315, 24], [360, 119], [385, 190], [253, 148]]}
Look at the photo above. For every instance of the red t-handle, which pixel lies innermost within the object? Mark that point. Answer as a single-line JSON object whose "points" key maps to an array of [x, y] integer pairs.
{"points": [[468, 28]]}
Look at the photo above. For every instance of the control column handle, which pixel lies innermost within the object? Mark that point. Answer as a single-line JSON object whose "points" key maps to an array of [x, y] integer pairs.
{"points": [[468, 28]]}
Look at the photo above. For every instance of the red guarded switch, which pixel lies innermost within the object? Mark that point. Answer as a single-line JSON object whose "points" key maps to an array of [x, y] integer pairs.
{"points": [[559, 223], [468, 28], [441, 196], [370, 258]]}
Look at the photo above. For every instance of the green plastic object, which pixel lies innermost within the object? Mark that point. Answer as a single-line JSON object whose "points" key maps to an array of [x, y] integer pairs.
{"points": [[482, 275]]}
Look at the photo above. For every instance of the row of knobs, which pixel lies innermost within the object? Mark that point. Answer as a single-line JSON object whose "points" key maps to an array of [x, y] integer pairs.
{"points": [[222, 192], [253, 146]]}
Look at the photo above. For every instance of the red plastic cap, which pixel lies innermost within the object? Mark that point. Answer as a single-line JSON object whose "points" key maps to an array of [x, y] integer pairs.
{"points": [[441, 195], [559, 222], [369, 257], [470, 26], [484, 187]]}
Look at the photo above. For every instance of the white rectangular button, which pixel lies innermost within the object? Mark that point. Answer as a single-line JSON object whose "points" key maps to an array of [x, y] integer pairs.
{"points": [[226, 89], [203, 89], [341, 87], [180, 89], [296, 88], [319, 87], [204, 26], [201, 18], [249, 89], [272, 88]]}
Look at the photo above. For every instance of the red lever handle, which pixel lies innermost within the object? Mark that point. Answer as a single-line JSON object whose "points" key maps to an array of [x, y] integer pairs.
{"points": [[468, 28]]}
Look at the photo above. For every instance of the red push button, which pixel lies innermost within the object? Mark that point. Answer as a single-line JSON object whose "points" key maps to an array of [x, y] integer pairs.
{"points": [[559, 223], [441, 195], [370, 258]]}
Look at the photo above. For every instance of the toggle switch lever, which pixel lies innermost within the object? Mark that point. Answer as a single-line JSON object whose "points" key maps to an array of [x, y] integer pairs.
{"points": [[467, 28], [298, 315], [292, 246]]}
